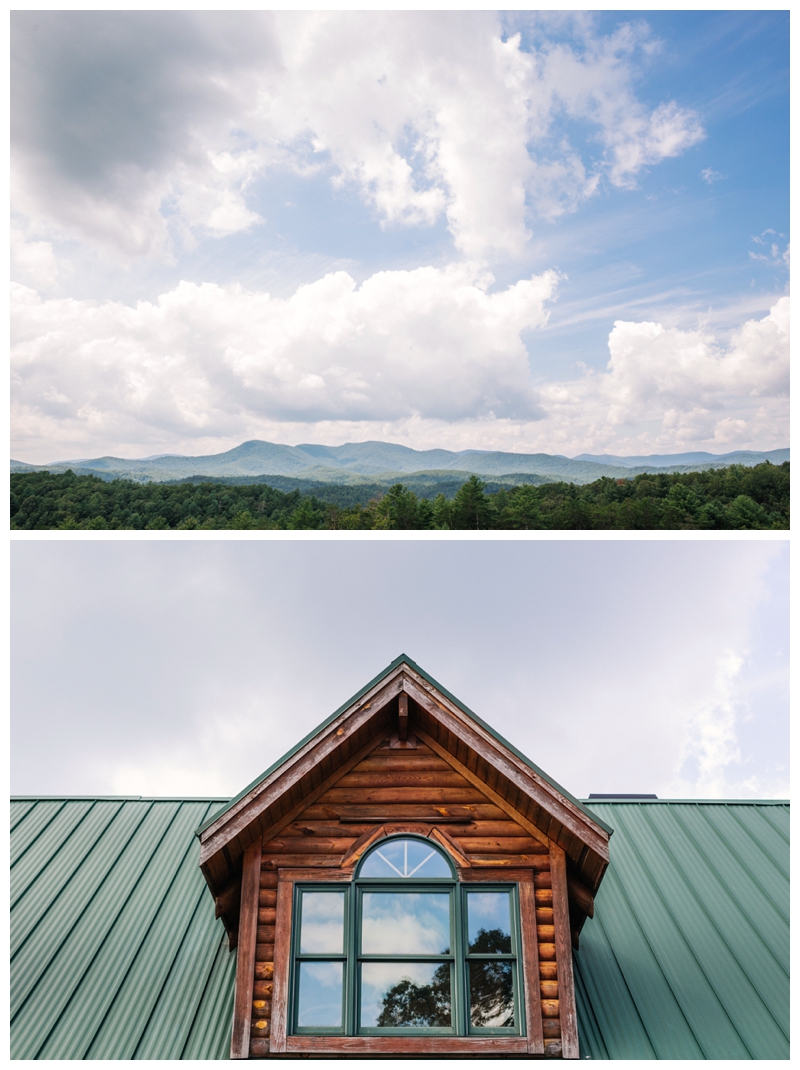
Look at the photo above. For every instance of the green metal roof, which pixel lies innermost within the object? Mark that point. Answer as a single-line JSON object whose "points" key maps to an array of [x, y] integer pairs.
{"points": [[115, 951], [405, 659], [687, 956]]}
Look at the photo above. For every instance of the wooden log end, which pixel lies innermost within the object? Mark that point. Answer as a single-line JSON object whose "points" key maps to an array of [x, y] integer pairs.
{"points": [[259, 1028], [263, 970], [549, 989], [547, 952], [551, 1029], [552, 1049], [266, 953], [550, 1008], [262, 989], [259, 1047]]}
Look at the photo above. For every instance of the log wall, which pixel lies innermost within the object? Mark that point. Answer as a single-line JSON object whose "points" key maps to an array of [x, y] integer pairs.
{"points": [[402, 786]]}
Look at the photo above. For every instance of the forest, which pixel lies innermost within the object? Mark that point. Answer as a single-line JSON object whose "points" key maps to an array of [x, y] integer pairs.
{"points": [[734, 498]]}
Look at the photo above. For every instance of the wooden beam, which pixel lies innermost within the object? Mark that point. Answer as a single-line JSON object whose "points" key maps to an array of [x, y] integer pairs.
{"points": [[452, 848], [305, 873], [312, 796], [362, 843], [428, 1047], [530, 969], [280, 982], [516, 771], [563, 945], [402, 717], [484, 788], [245, 962], [227, 899], [580, 895]]}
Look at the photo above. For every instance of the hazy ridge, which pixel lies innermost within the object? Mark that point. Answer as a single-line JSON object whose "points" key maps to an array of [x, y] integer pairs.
{"points": [[385, 463]]}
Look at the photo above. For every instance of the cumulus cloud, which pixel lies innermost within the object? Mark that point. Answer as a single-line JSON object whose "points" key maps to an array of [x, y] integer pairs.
{"points": [[138, 129], [431, 343], [430, 357], [696, 391]]}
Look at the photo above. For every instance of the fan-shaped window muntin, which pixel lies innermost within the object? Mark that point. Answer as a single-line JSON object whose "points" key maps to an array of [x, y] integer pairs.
{"points": [[406, 954], [403, 858]]}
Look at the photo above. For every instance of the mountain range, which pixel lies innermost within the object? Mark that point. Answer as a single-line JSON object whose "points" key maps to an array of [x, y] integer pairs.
{"points": [[387, 463]]}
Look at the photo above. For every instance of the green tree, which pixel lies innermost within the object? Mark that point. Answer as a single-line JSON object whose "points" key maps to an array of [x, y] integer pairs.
{"points": [[305, 516], [442, 513], [399, 507], [743, 512], [471, 507], [523, 509], [410, 1004]]}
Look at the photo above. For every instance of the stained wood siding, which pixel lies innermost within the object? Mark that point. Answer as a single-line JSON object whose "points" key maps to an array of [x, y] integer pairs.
{"points": [[405, 786]]}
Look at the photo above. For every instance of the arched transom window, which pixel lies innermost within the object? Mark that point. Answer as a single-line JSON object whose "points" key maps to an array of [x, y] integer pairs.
{"points": [[405, 857], [406, 949]]}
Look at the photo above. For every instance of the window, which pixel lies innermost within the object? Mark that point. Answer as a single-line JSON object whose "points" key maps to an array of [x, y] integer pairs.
{"points": [[406, 949]]}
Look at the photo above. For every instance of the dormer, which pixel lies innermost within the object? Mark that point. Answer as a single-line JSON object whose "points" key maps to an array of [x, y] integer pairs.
{"points": [[404, 881]]}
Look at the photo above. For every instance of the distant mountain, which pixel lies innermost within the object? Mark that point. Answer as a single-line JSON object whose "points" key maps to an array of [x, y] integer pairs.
{"points": [[660, 460], [386, 462]]}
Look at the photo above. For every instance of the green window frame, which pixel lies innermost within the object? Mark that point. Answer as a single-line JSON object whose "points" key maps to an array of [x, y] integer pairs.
{"points": [[337, 958]]}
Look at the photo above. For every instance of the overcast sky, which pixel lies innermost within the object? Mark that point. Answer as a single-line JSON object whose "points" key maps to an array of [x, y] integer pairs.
{"points": [[189, 667], [540, 231]]}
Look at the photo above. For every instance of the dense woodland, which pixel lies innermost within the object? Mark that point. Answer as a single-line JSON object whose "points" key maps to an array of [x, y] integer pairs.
{"points": [[729, 498]]}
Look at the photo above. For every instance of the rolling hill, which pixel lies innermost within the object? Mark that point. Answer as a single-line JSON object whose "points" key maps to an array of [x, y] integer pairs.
{"points": [[385, 463]]}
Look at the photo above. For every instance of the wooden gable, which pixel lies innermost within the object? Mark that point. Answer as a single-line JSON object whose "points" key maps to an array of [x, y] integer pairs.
{"points": [[403, 758]]}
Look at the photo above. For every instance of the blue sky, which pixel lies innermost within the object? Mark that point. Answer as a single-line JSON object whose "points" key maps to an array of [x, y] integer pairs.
{"points": [[555, 232], [189, 667]]}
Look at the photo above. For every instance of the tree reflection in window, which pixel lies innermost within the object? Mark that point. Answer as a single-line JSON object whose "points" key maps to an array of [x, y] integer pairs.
{"points": [[420, 1005], [407, 948]]}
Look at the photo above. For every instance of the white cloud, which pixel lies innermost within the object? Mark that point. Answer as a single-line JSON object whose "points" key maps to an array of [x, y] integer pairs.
{"points": [[690, 390], [131, 127], [33, 262], [204, 361], [427, 358]]}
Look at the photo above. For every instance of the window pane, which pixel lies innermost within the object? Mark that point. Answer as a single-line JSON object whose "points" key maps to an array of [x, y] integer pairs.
{"points": [[319, 995], [405, 923], [489, 923], [491, 994], [413, 994], [405, 858], [322, 923]]}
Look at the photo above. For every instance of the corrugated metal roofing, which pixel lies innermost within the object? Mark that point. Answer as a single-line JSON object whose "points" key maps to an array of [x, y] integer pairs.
{"points": [[115, 951], [687, 956], [405, 659]]}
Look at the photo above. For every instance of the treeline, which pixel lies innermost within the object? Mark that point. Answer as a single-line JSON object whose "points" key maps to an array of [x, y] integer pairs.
{"points": [[729, 498]]}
